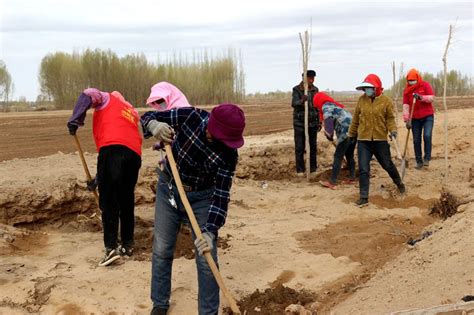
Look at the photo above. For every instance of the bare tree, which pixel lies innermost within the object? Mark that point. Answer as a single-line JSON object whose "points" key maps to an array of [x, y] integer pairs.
{"points": [[445, 61], [305, 43]]}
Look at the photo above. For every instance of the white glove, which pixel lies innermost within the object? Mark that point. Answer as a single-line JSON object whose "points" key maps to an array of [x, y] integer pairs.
{"points": [[161, 131], [205, 244]]}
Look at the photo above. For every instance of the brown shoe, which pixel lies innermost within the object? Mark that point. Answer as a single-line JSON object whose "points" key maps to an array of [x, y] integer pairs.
{"points": [[328, 184]]}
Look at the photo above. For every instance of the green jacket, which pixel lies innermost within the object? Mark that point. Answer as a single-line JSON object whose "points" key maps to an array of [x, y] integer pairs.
{"points": [[373, 120]]}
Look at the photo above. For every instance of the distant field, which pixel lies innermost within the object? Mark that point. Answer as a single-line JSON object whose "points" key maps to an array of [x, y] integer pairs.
{"points": [[33, 134]]}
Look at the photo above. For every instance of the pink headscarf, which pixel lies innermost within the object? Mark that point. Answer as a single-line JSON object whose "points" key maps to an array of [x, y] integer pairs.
{"points": [[98, 97], [173, 97]]}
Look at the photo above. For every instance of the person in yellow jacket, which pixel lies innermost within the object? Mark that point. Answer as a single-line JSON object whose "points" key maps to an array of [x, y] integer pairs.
{"points": [[373, 120]]}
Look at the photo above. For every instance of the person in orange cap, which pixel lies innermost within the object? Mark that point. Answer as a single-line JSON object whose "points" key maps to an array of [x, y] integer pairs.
{"points": [[423, 115]]}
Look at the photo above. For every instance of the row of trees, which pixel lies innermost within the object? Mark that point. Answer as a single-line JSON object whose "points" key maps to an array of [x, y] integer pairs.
{"points": [[6, 84], [457, 84], [203, 78]]}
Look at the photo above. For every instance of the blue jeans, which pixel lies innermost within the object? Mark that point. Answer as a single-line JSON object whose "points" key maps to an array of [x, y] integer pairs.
{"points": [[345, 148], [381, 150], [424, 125], [167, 223]]}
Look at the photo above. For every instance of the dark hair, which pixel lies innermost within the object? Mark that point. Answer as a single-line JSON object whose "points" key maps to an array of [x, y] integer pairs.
{"points": [[310, 73]]}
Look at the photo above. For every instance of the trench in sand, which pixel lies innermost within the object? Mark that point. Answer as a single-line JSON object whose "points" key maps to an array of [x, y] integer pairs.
{"points": [[372, 243]]}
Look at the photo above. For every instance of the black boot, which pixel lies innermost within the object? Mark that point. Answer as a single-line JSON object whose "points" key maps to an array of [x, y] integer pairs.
{"points": [[158, 311], [401, 188], [362, 202]]}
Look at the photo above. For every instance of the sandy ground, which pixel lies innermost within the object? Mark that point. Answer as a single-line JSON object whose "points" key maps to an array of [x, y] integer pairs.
{"points": [[280, 230]]}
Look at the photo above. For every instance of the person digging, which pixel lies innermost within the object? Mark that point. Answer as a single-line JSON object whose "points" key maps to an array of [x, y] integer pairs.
{"points": [[337, 119], [115, 126], [204, 146], [373, 120], [418, 98]]}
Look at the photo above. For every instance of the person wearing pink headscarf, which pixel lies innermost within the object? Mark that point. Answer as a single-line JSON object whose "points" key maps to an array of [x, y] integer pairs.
{"points": [[165, 96]]}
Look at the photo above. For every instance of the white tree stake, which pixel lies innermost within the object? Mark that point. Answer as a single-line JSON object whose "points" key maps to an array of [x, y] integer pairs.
{"points": [[305, 49], [445, 60]]}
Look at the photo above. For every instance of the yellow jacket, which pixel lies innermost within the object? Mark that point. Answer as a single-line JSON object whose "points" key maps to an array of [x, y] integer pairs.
{"points": [[373, 120]]}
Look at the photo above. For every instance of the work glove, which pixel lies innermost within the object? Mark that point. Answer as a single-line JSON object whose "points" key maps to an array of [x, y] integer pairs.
{"points": [[329, 137], [161, 131], [408, 125], [205, 244], [393, 135], [417, 96], [72, 128], [92, 184], [304, 99]]}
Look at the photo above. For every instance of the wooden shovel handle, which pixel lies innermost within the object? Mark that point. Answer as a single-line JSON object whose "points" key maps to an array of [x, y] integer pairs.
{"points": [[408, 133], [86, 169], [197, 230]]}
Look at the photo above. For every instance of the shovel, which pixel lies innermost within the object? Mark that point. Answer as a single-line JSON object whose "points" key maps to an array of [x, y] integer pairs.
{"points": [[397, 148], [197, 230], [403, 164], [86, 169]]}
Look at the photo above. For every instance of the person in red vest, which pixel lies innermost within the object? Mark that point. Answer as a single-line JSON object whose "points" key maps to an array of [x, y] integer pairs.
{"points": [[115, 127], [423, 115]]}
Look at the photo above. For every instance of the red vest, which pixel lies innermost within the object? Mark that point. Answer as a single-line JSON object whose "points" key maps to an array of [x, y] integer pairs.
{"points": [[117, 123], [422, 109]]}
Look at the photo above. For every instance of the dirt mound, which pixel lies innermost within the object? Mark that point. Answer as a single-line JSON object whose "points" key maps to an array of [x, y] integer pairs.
{"points": [[363, 240], [64, 199], [276, 161], [370, 242], [272, 301], [144, 241], [145, 190], [184, 244], [27, 204], [390, 198], [437, 270]]}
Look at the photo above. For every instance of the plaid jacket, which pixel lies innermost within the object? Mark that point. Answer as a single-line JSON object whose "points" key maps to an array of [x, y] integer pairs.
{"points": [[200, 163]]}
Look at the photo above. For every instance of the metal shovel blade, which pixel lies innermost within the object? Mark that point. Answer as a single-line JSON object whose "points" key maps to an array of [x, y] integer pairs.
{"points": [[402, 169]]}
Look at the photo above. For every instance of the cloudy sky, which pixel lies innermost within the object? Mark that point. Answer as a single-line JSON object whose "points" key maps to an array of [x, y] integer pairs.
{"points": [[349, 38]]}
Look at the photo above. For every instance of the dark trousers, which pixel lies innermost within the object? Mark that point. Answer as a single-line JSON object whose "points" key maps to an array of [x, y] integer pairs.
{"points": [[300, 147], [345, 148], [117, 170], [381, 150], [425, 126]]}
